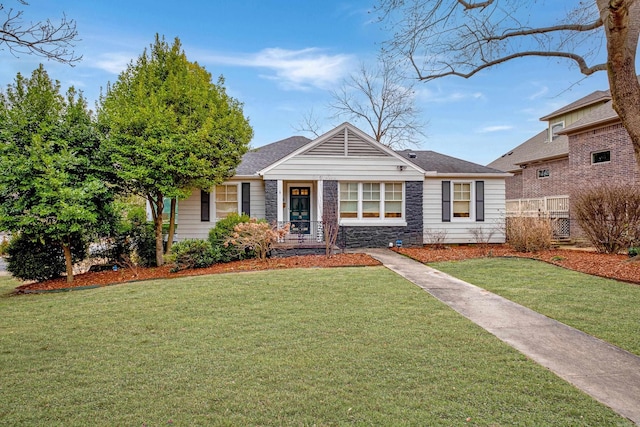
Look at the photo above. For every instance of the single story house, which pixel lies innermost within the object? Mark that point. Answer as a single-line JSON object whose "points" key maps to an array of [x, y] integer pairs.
{"points": [[380, 196]]}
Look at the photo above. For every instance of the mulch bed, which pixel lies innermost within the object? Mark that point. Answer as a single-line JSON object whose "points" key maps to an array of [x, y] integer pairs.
{"points": [[110, 277], [611, 266]]}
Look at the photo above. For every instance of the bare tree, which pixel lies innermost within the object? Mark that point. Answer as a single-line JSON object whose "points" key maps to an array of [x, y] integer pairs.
{"points": [[309, 123], [463, 37], [384, 99], [44, 38]]}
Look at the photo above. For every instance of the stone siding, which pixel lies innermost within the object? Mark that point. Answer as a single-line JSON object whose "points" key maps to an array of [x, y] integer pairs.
{"points": [[271, 200]]}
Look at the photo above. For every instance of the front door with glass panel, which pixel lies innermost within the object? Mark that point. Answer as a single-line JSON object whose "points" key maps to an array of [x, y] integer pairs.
{"points": [[300, 210]]}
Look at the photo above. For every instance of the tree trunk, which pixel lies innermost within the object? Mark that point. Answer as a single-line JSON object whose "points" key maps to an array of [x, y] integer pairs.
{"points": [[157, 206], [68, 261], [172, 225], [622, 26]]}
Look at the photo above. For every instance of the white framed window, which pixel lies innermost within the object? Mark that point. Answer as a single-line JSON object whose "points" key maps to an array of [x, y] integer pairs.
{"points": [[554, 129], [601, 157], [461, 199], [371, 202], [227, 200]]}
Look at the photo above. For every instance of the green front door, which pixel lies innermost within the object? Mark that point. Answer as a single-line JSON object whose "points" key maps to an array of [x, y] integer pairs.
{"points": [[300, 209]]}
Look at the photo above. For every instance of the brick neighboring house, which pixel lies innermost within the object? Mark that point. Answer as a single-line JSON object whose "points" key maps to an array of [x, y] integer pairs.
{"points": [[584, 144]]}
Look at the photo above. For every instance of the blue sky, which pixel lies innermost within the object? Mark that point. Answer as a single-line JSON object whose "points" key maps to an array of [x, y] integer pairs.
{"points": [[281, 58]]}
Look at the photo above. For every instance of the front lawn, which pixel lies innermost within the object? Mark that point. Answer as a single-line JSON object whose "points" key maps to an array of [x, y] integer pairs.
{"points": [[292, 347], [604, 308]]}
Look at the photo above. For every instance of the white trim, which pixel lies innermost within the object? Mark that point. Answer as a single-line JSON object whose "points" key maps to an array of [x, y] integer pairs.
{"points": [[213, 200], [551, 125], [319, 199], [472, 198], [280, 202]]}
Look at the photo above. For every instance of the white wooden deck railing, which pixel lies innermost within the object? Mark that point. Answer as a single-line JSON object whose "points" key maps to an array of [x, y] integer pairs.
{"points": [[537, 206]]}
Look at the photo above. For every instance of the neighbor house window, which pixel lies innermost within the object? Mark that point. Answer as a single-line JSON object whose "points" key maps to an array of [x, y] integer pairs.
{"points": [[371, 200], [543, 173], [555, 128], [461, 199], [226, 200], [601, 157]]}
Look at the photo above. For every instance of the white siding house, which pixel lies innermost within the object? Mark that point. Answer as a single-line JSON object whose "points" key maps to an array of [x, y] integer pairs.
{"points": [[379, 195]]}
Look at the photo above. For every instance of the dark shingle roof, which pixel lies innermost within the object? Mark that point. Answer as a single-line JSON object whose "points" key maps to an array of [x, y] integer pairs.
{"points": [[536, 148], [261, 157], [432, 161], [592, 98]]}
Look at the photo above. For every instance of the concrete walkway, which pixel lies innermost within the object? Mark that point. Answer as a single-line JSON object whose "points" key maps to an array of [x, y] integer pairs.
{"points": [[605, 372]]}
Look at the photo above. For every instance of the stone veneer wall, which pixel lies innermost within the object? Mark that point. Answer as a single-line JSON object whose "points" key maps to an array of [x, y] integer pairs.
{"points": [[380, 236], [271, 200], [621, 170]]}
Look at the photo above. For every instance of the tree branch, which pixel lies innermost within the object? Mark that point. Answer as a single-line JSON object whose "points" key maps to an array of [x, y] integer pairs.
{"points": [[584, 68], [43, 38]]}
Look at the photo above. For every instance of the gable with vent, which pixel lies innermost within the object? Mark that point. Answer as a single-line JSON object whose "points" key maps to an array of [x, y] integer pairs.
{"points": [[345, 143]]}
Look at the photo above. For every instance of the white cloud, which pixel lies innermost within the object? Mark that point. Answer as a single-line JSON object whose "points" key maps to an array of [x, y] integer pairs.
{"points": [[293, 69], [446, 97], [496, 128], [113, 63]]}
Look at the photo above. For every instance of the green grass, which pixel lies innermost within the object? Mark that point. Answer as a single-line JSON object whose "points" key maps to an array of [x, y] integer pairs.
{"points": [[350, 346], [604, 308]]}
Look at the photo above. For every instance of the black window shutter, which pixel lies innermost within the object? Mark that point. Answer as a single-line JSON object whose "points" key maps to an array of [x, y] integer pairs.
{"points": [[446, 201], [246, 200], [205, 206], [479, 200]]}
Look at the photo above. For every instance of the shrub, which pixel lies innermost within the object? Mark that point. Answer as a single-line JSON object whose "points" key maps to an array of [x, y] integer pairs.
{"points": [[256, 236], [609, 216], [133, 238], [31, 259], [529, 234], [221, 232], [192, 253]]}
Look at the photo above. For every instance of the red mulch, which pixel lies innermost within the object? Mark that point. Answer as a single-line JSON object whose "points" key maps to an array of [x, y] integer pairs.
{"points": [[612, 266], [605, 265], [110, 277]]}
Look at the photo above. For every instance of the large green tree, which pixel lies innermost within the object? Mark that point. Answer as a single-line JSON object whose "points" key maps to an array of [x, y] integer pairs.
{"points": [[169, 129], [463, 37], [50, 190]]}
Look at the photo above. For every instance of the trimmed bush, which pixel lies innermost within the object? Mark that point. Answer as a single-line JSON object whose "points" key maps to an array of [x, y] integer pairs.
{"points": [[30, 259], [529, 234], [609, 216], [192, 253], [221, 233]]}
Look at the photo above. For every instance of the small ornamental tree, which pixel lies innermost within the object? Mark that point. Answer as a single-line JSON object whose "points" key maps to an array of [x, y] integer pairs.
{"points": [[50, 189], [255, 236], [169, 130]]}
